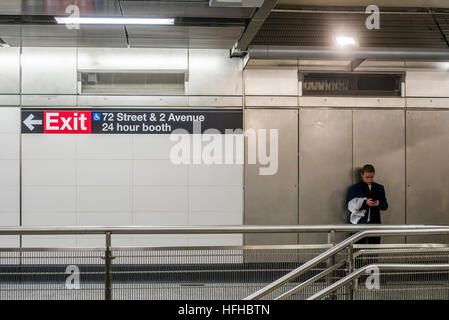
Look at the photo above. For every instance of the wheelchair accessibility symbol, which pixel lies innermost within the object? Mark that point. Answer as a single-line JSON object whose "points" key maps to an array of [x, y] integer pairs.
{"points": [[96, 116]]}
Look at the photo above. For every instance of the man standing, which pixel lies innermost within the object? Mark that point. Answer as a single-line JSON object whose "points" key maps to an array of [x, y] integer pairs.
{"points": [[365, 201]]}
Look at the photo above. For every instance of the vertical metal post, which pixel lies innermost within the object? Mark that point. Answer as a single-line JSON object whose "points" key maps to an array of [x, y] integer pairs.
{"points": [[350, 263], [331, 261], [108, 268], [331, 237]]}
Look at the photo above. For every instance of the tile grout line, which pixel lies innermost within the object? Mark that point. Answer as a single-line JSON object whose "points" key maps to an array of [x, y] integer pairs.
{"points": [[132, 186], [76, 185], [20, 146]]}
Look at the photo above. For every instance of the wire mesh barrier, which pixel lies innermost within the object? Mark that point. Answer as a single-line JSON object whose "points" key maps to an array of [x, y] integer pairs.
{"points": [[149, 273], [392, 282], [331, 271], [399, 284], [203, 272], [377, 272], [58, 274], [215, 273], [404, 285], [337, 290], [222, 273]]}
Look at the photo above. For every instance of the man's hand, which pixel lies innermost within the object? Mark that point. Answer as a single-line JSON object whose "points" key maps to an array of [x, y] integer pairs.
{"points": [[372, 203]]}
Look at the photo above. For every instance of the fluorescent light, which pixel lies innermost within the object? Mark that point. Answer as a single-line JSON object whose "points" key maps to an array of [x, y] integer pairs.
{"points": [[79, 20], [345, 41]]}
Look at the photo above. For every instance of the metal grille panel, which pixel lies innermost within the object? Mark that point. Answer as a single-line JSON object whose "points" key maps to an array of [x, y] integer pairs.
{"points": [[318, 29], [208, 273], [404, 285], [41, 274], [224, 273]]}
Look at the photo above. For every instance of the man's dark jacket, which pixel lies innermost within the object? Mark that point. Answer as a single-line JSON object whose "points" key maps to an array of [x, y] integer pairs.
{"points": [[377, 192]]}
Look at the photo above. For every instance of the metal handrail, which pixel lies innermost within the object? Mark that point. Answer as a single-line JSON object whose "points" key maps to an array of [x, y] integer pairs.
{"points": [[204, 229], [417, 248], [357, 273], [311, 280], [402, 247], [337, 248]]}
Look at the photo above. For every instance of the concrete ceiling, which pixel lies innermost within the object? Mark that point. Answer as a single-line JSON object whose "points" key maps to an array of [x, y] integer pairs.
{"points": [[364, 3], [421, 30], [198, 25], [31, 23]]}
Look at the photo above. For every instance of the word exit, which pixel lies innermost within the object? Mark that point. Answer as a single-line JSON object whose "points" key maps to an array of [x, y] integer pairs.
{"points": [[57, 121], [67, 122]]}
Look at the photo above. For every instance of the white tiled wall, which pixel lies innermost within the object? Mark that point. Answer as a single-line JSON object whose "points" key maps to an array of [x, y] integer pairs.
{"points": [[159, 173], [63, 241], [9, 172], [47, 201], [104, 172], [106, 147], [49, 172], [161, 198], [9, 121], [111, 180], [104, 199], [158, 148], [122, 179], [49, 146]]}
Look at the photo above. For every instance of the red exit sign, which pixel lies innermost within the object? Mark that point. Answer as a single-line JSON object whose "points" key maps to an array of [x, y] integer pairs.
{"points": [[67, 122]]}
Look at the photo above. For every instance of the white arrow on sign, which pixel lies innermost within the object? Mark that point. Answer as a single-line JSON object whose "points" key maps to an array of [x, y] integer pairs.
{"points": [[29, 122]]}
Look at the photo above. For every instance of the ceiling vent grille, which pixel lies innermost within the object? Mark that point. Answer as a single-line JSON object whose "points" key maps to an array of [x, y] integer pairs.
{"points": [[354, 84]]}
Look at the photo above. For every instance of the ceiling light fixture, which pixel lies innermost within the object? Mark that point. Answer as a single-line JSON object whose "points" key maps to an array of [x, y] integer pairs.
{"points": [[84, 20], [344, 41]]}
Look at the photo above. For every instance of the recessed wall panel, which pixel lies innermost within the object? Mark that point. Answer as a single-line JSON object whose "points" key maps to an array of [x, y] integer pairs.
{"points": [[212, 72], [325, 167], [379, 139], [132, 59], [49, 71], [427, 84], [9, 70], [273, 199], [275, 82], [427, 167]]}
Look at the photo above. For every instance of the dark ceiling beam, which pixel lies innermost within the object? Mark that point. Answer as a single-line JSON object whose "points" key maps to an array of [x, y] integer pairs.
{"points": [[355, 64], [443, 34], [290, 52], [240, 47]]}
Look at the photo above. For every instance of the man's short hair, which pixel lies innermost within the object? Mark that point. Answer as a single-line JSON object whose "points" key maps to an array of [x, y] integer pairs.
{"points": [[368, 168]]}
